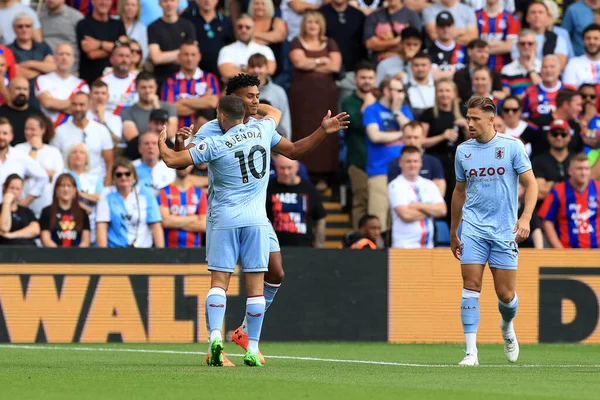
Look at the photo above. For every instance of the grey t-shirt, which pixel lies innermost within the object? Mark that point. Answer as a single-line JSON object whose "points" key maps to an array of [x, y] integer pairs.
{"points": [[140, 117], [378, 23], [60, 28], [464, 15]]}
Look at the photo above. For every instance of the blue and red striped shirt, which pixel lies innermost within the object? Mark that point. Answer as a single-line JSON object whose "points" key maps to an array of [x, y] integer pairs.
{"points": [[574, 214], [503, 26], [540, 100], [190, 202], [178, 87]]}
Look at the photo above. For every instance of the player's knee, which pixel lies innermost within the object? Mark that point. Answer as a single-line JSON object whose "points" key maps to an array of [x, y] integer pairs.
{"points": [[505, 295], [472, 284]]}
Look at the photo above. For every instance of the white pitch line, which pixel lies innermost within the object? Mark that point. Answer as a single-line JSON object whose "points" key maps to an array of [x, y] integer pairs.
{"points": [[331, 360]]}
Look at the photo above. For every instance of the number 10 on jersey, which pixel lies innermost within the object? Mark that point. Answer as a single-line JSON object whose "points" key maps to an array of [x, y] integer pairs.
{"points": [[251, 166]]}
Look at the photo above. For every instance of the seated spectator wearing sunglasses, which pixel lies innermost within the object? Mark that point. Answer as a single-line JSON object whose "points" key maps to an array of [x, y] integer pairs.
{"points": [[511, 114], [589, 120]]}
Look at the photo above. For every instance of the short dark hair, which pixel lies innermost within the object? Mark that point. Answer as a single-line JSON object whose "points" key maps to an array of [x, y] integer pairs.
{"points": [[586, 85], [481, 103], [411, 32], [364, 65], [366, 218], [477, 44], [233, 107], [565, 96], [190, 42], [241, 81], [144, 76], [511, 97], [413, 125], [421, 54], [483, 68], [590, 28], [410, 150], [257, 60], [98, 84], [9, 179]]}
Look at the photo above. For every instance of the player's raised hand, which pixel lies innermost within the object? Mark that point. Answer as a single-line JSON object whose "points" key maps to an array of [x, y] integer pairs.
{"points": [[456, 246], [521, 230], [163, 134], [184, 133], [335, 124]]}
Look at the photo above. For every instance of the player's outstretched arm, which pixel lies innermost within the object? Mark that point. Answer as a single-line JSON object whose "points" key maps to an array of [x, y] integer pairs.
{"points": [[173, 159], [459, 197], [299, 149], [522, 228]]}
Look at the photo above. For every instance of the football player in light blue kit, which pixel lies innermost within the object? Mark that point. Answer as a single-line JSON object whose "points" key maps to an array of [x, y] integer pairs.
{"points": [[239, 160], [488, 169]]}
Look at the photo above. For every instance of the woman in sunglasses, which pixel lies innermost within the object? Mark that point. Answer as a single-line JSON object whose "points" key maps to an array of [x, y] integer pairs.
{"points": [[511, 113], [128, 216]]}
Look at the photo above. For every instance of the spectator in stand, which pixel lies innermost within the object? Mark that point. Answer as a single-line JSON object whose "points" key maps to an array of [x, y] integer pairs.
{"points": [[33, 58], [525, 70], [136, 117], [554, 27], [97, 35], [499, 124], [38, 133], [548, 42], [18, 226], [589, 120], [482, 85], [17, 110], [183, 209], [511, 113], [445, 128], [410, 44], [568, 108], [233, 58], [578, 17], [136, 57], [152, 172], [367, 236], [129, 215], [420, 88], [383, 121], [10, 67], [8, 10], [157, 120], [292, 13], [271, 92], [165, 37], [87, 7], [541, 99], [191, 89], [463, 17], [89, 184], [431, 167], [120, 81], [99, 112], [316, 61], [383, 29], [447, 55], [64, 223], [356, 143], [58, 22], [551, 167], [4, 94], [214, 31], [130, 12], [13, 161], [584, 69], [269, 29], [369, 6], [294, 207], [151, 10], [478, 52], [79, 129], [54, 90], [570, 212], [499, 29], [415, 202]]}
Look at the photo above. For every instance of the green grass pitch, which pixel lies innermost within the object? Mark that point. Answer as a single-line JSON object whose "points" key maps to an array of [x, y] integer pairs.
{"points": [[301, 371]]}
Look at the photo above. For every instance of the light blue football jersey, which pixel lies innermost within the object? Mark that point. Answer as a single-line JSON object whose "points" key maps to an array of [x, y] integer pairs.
{"points": [[239, 163], [491, 171], [212, 128]]}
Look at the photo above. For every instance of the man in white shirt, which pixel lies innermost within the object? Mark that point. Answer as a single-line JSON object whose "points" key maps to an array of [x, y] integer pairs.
{"points": [[415, 202], [95, 136], [54, 90], [99, 95], [233, 58], [585, 68], [120, 81], [420, 87], [15, 162], [151, 170]]}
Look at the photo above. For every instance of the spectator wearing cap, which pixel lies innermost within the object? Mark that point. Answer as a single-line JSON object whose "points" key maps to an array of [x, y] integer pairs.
{"points": [[399, 63], [524, 71], [233, 58], [191, 89], [499, 28], [383, 29], [463, 17], [478, 52], [447, 55], [157, 119], [135, 118], [551, 166], [579, 15], [165, 36], [568, 108], [152, 172]]}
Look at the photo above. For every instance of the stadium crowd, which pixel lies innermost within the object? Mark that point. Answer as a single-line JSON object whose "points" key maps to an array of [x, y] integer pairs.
{"points": [[88, 85]]}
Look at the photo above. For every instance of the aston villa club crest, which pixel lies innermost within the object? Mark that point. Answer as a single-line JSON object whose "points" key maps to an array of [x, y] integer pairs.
{"points": [[499, 153]]}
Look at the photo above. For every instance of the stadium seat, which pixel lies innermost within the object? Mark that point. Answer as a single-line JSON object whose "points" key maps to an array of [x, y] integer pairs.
{"points": [[442, 234]]}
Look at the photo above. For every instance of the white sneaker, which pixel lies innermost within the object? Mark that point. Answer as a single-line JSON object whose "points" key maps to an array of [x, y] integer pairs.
{"points": [[511, 346], [470, 360]]}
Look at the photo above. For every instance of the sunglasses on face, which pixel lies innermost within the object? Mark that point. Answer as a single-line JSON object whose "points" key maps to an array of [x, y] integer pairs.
{"points": [[588, 96], [560, 133], [122, 174], [510, 110], [248, 27], [526, 43]]}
